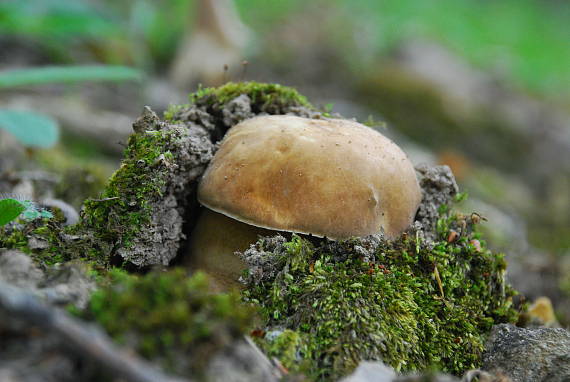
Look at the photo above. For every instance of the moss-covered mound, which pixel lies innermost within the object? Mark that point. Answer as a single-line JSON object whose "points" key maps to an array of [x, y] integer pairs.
{"points": [[46, 240], [265, 98], [410, 303], [170, 317], [218, 109], [140, 214]]}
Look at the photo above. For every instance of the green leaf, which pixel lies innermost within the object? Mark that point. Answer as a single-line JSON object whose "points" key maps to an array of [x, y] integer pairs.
{"points": [[67, 74], [10, 209], [31, 129]]}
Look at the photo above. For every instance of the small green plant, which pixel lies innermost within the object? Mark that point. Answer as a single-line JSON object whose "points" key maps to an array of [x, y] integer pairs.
{"points": [[11, 209], [67, 74]]}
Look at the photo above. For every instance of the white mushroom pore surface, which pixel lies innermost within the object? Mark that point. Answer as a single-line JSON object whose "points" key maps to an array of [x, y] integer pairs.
{"points": [[329, 178]]}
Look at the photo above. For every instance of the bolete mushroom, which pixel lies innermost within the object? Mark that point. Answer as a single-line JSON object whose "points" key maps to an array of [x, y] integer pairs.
{"points": [[329, 178]]}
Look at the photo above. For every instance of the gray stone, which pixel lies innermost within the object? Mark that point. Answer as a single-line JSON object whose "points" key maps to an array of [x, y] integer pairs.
{"points": [[368, 371], [58, 285], [371, 372], [242, 362], [529, 355], [237, 110], [438, 188], [18, 269]]}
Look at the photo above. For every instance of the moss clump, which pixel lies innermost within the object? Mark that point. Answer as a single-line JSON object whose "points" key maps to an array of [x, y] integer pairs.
{"points": [[290, 347], [169, 317], [260, 93], [114, 219], [413, 304], [269, 98], [12, 238], [42, 239], [124, 206]]}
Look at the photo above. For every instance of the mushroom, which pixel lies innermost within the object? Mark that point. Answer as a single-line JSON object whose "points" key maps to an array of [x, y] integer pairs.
{"points": [[329, 178]]}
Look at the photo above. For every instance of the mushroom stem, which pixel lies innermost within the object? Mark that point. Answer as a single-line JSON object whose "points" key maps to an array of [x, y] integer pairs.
{"points": [[213, 244]]}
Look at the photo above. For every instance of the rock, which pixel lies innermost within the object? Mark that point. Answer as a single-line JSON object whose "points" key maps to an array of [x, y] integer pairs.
{"points": [[427, 378], [379, 372], [438, 188], [237, 110], [242, 362], [368, 371], [371, 372], [59, 285], [529, 355], [36, 242]]}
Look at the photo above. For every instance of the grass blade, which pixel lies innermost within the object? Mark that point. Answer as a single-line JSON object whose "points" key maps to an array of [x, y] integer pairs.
{"points": [[67, 74]]}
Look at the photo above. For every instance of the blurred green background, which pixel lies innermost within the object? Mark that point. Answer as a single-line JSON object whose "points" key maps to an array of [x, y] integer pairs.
{"points": [[480, 85], [527, 40]]}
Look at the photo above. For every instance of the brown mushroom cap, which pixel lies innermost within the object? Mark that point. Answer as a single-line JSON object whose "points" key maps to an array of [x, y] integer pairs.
{"points": [[332, 177]]}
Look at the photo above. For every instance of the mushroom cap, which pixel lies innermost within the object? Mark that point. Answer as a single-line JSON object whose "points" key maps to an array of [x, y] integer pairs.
{"points": [[329, 177]]}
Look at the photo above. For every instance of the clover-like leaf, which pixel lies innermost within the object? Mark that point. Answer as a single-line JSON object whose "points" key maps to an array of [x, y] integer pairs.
{"points": [[10, 209]]}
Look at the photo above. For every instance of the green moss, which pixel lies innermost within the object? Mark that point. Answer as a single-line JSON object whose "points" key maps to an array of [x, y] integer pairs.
{"points": [[13, 239], [43, 231], [169, 317], [170, 113], [260, 93], [415, 305], [290, 348], [265, 97], [124, 206], [115, 218]]}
